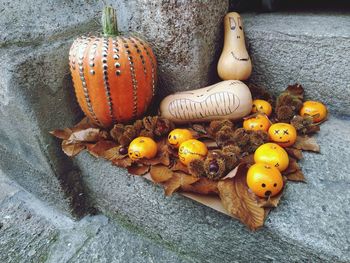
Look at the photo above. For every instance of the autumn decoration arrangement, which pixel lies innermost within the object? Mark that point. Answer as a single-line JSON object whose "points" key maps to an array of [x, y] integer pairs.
{"points": [[236, 144]]}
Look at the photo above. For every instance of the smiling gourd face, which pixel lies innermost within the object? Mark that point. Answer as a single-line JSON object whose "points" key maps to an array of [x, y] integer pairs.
{"points": [[264, 180], [283, 134], [234, 62], [178, 136], [142, 147], [315, 109], [260, 122]]}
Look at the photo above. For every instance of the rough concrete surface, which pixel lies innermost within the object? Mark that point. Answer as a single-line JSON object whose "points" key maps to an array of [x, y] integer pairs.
{"points": [[309, 48], [32, 231], [36, 93], [311, 222], [186, 37]]}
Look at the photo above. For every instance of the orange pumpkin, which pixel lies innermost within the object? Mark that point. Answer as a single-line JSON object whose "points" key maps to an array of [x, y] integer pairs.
{"points": [[114, 76]]}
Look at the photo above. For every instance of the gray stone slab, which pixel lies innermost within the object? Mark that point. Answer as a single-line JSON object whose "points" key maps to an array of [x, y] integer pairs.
{"points": [[309, 48], [32, 231], [311, 222], [36, 93], [186, 37], [24, 236]]}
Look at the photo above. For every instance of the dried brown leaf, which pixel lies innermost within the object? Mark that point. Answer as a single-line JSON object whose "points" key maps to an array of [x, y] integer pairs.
{"points": [[202, 186], [179, 166], [114, 154], [62, 134], [176, 181], [292, 167], [125, 162], [271, 201], [295, 153], [240, 202], [98, 149], [72, 148], [138, 169], [88, 135], [160, 173], [306, 143], [234, 172], [116, 158], [296, 176]]}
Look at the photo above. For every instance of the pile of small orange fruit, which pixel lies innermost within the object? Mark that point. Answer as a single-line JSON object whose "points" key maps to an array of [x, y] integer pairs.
{"points": [[264, 177]]}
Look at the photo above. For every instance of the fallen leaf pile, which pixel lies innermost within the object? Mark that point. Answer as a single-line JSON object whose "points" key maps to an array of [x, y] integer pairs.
{"points": [[230, 147]]}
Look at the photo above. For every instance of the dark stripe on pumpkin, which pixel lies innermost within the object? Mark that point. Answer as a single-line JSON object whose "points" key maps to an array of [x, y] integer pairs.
{"points": [[105, 49], [152, 64], [81, 55], [133, 78]]}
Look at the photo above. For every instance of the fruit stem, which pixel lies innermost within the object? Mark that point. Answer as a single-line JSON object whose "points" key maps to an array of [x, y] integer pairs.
{"points": [[109, 22]]}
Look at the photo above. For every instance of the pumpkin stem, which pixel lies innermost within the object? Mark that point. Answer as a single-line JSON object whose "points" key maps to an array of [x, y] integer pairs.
{"points": [[109, 21]]}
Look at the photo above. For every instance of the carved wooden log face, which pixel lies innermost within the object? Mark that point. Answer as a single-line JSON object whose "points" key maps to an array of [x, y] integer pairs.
{"points": [[114, 77], [229, 99]]}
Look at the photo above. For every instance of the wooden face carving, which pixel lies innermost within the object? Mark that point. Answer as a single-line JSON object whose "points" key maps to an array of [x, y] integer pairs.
{"points": [[142, 147], [257, 123], [264, 180], [227, 99], [191, 150], [178, 136], [283, 134], [315, 109], [272, 154]]}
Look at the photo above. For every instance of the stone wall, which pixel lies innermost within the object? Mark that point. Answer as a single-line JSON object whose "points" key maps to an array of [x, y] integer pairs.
{"points": [[36, 93]]}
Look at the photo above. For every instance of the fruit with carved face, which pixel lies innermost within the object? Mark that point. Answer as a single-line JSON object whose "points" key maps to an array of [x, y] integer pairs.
{"points": [[264, 180], [283, 134], [142, 147], [272, 154], [262, 106], [191, 150], [258, 122], [315, 109], [178, 136]]}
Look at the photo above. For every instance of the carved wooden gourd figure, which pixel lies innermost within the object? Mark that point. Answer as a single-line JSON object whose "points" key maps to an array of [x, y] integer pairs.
{"points": [[234, 62], [114, 76]]}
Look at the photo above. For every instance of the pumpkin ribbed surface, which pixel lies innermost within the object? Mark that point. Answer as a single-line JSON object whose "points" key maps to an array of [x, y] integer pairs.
{"points": [[114, 77]]}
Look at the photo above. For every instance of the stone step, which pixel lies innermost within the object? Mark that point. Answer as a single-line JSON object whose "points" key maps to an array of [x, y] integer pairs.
{"points": [[32, 231], [310, 223], [309, 48], [36, 93]]}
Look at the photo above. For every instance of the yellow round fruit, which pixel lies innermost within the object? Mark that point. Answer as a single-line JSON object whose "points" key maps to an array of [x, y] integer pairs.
{"points": [[315, 109], [262, 106], [178, 136], [142, 147], [283, 134], [264, 180], [272, 154], [191, 150], [259, 122]]}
